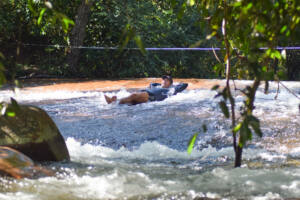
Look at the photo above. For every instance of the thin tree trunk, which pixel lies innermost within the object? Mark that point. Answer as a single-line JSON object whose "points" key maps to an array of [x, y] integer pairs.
{"points": [[237, 149], [77, 36], [238, 156]]}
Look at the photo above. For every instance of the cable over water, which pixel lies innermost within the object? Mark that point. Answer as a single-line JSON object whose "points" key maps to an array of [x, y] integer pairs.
{"points": [[151, 48]]}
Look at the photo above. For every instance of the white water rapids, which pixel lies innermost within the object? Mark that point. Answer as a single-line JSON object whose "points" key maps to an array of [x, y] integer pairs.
{"points": [[139, 152]]}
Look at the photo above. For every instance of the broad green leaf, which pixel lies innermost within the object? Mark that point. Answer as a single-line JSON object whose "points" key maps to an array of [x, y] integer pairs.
{"points": [[275, 54], [192, 143], [224, 108], [245, 134], [255, 124], [249, 6]]}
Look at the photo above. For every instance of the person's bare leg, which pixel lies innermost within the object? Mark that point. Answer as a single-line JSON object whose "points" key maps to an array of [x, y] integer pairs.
{"points": [[109, 100], [135, 98]]}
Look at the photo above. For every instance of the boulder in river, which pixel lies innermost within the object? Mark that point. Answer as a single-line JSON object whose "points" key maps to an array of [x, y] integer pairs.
{"points": [[17, 165], [30, 130]]}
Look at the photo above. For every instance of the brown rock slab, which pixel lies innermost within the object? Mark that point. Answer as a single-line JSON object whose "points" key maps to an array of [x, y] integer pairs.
{"points": [[17, 165]]}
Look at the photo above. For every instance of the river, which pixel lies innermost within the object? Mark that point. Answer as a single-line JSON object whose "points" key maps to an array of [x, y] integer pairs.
{"points": [[139, 152]]}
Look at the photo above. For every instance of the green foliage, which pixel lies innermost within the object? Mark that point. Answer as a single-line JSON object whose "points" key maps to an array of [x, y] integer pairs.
{"points": [[144, 24], [192, 143], [243, 27], [111, 24], [193, 139], [2, 77]]}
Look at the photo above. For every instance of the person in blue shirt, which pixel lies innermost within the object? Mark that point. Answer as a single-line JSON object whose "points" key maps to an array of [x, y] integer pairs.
{"points": [[156, 92]]}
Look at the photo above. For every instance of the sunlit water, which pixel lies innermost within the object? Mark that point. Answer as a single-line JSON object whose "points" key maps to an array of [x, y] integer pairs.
{"points": [[139, 152]]}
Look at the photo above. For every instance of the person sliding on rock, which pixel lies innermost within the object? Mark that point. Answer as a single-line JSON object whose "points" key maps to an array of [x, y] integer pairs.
{"points": [[156, 92]]}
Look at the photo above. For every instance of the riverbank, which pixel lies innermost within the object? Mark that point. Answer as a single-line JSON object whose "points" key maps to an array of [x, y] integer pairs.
{"points": [[108, 85]]}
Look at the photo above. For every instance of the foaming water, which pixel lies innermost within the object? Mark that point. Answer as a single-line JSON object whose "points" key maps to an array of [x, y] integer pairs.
{"points": [[139, 152]]}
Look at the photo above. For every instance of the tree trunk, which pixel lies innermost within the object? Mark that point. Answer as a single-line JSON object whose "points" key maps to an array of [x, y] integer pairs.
{"points": [[77, 36], [238, 156]]}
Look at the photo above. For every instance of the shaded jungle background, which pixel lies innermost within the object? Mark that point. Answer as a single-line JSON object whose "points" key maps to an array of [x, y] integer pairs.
{"points": [[33, 47]]}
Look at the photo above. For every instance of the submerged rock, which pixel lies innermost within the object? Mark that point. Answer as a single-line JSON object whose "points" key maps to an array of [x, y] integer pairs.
{"points": [[31, 131], [17, 165]]}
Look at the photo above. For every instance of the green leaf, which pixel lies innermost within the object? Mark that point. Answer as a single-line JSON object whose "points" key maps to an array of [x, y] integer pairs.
{"points": [[204, 127], [245, 134], [215, 87], [283, 29], [14, 104], [181, 11], [10, 114], [140, 44], [255, 124], [260, 27], [237, 4], [192, 143], [273, 54], [224, 108], [208, 37], [191, 2], [237, 128], [264, 68], [41, 16], [276, 54], [66, 23], [30, 5]]}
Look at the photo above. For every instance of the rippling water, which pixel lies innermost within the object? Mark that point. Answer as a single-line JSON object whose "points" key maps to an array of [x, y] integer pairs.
{"points": [[139, 152]]}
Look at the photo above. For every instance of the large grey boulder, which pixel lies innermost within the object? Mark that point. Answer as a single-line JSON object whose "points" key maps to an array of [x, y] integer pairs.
{"points": [[31, 131]]}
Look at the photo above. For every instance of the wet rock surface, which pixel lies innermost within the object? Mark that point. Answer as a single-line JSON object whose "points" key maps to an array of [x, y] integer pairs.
{"points": [[17, 165], [32, 132]]}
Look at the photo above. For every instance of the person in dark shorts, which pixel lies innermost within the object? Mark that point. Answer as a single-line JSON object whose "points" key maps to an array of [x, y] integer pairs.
{"points": [[156, 92]]}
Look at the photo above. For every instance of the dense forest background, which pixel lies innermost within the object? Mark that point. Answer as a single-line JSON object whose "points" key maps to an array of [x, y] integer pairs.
{"points": [[34, 44]]}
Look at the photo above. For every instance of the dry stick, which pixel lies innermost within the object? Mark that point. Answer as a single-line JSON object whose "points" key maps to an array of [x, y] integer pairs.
{"points": [[293, 93], [216, 55], [277, 92]]}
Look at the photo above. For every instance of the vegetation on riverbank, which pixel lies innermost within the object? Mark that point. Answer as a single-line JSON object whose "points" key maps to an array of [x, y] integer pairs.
{"points": [[28, 29]]}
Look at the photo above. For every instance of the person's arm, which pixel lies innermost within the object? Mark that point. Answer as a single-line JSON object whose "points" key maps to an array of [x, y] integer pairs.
{"points": [[180, 87]]}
